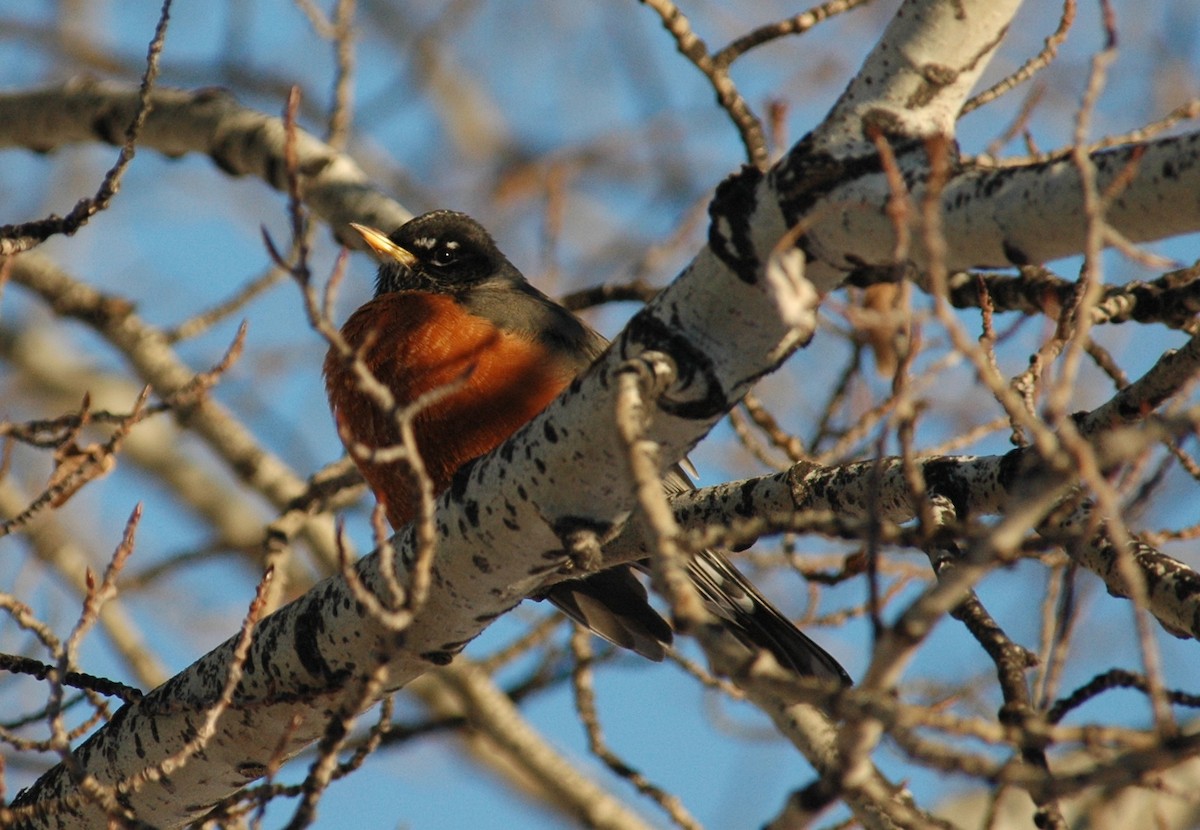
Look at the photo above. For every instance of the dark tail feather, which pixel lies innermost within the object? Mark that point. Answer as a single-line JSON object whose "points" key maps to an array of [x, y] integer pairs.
{"points": [[749, 614], [613, 604], [755, 621]]}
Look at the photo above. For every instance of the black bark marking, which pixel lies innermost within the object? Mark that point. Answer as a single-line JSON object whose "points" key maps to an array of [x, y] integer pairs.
{"points": [[693, 367], [745, 505], [1014, 254], [309, 627], [943, 478], [729, 228]]}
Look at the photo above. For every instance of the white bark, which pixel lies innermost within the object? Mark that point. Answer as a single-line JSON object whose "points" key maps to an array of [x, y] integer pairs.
{"points": [[241, 141], [917, 77], [1000, 217], [499, 526]]}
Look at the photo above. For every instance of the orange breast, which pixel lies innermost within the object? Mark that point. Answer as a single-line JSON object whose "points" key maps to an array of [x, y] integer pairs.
{"points": [[418, 343]]}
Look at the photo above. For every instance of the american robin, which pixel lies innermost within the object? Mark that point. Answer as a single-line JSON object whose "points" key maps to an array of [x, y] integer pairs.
{"points": [[451, 312]]}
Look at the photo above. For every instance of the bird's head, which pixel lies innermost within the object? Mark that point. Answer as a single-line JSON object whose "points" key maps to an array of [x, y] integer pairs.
{"points": [[443, 251]]}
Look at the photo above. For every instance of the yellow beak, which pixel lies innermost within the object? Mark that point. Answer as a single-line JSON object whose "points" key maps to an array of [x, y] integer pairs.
{"points": [[380, 244]]}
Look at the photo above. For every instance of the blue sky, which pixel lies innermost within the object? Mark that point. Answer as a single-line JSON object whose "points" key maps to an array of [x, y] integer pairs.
{"points": [[596, 93]]}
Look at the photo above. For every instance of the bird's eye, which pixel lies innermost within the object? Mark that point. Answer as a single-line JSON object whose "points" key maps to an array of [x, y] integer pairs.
{"points": [[444, 256]]}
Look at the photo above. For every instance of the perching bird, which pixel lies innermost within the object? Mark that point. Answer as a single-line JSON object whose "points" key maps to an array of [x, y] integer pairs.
{"points": [[450, 311]]}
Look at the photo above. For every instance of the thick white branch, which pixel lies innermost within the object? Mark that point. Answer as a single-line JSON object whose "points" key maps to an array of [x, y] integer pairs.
{"points": [[499, 536], [911, 88], [1027, 215], [240, 140], [917, 77], [1000, 217]]}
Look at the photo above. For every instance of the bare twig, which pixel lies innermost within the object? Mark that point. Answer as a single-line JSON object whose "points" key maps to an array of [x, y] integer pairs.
{"points": [[1032, 66], [585, 705], [17, 238]]}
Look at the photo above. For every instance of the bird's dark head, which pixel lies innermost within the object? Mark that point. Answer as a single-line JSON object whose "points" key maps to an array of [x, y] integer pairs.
{"points": [[443, 252]]}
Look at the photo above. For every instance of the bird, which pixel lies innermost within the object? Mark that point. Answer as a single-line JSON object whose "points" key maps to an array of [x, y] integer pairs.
{"points": [[451, 313]]}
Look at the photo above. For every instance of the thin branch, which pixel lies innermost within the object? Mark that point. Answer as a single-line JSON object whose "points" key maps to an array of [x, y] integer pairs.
{"points": [[23, 237], [585, 706], [1032, 66], [692, 47]]}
